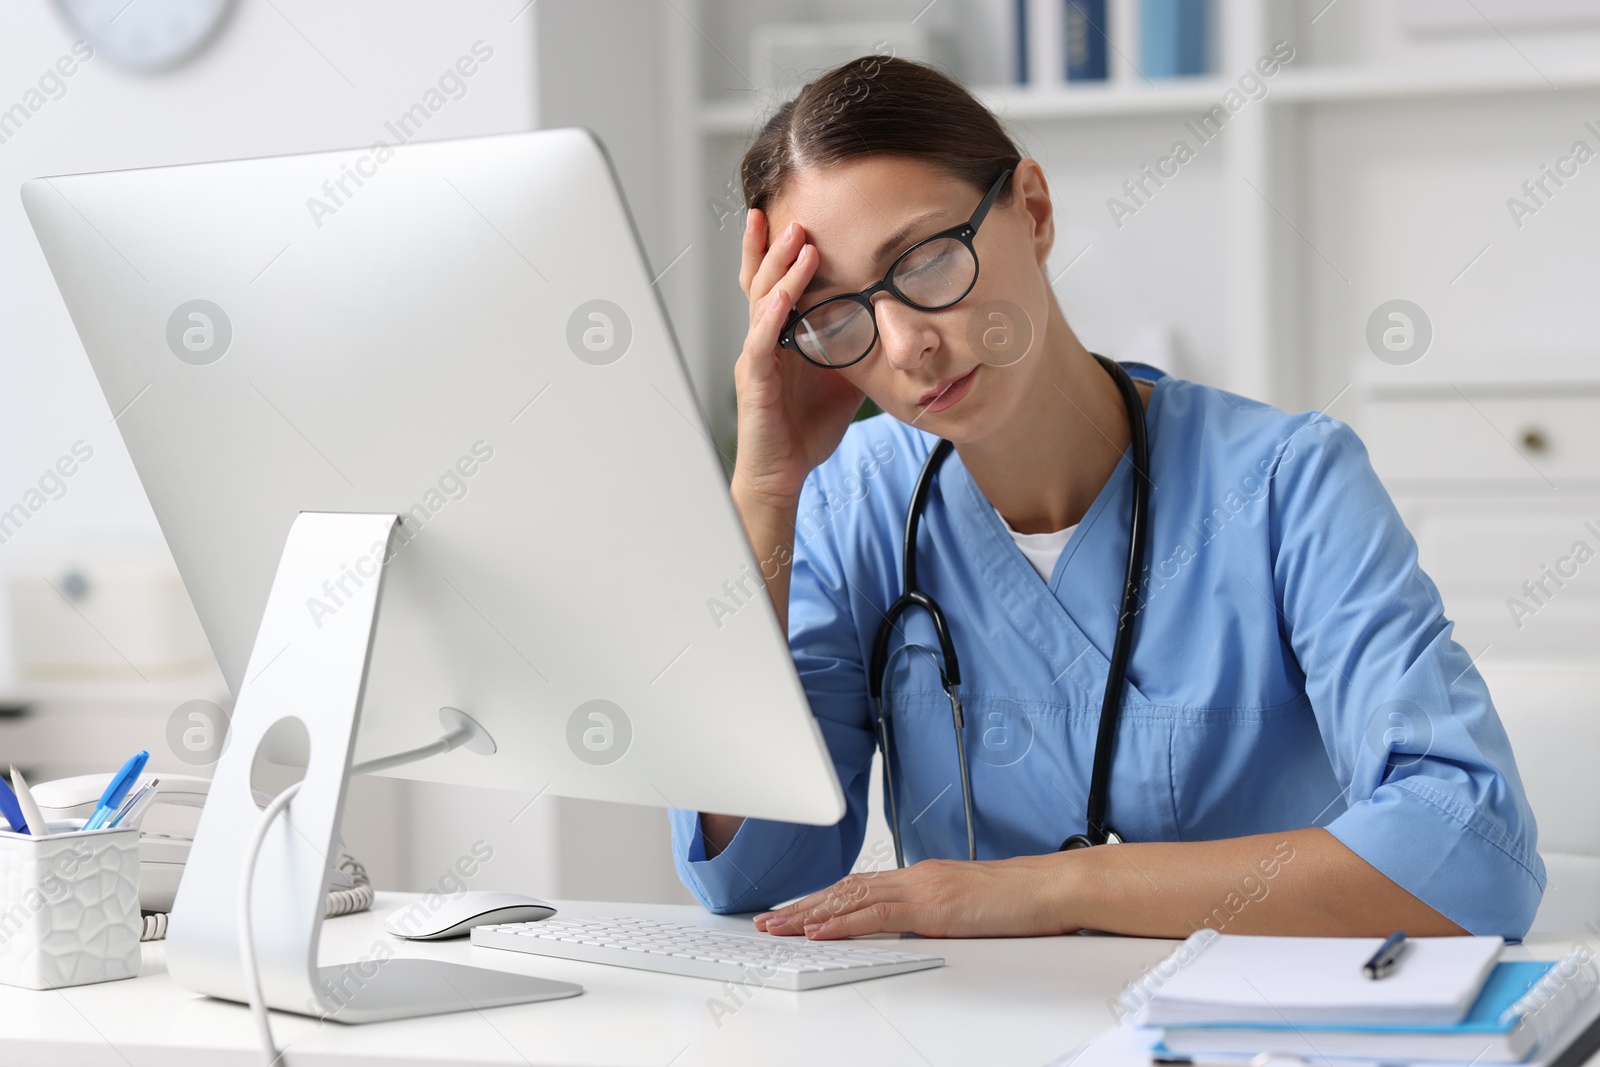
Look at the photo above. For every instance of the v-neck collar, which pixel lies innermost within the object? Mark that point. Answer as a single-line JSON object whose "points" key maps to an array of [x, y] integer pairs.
{"points": [[1033, 606]]}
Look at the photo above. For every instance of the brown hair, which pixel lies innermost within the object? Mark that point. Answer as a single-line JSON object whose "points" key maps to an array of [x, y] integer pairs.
{"points": [[878, 106]]}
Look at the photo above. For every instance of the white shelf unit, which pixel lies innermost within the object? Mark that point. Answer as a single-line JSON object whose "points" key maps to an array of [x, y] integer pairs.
{"points": [[1047, 120], [1322, 86], [1376, 166]]}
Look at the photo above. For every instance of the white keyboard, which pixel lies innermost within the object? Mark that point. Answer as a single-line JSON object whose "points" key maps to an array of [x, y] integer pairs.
{"points": [[698, 952]]}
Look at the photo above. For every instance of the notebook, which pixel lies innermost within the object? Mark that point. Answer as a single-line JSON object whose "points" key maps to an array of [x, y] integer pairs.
{"points": [[1521, 1006], [1120, 1046], [1227, 978]]}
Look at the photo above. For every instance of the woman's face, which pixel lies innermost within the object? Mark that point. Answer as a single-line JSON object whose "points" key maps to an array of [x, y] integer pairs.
{"points": [[960, 372]]}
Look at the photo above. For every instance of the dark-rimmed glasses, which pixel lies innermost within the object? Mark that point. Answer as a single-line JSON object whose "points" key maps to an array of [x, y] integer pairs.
{"points": [[932, 274]]}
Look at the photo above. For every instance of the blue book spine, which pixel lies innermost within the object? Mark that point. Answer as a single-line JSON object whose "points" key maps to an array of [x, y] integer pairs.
{"points": [[1086, 40], [1172, 37], [1022, 41]]}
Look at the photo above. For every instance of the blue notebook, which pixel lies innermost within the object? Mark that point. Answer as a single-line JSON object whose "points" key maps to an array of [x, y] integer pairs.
{"points": [[1521, 1006]]}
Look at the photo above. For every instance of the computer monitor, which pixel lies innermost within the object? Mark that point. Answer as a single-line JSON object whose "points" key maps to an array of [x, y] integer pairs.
{"points": [[441, 369]]}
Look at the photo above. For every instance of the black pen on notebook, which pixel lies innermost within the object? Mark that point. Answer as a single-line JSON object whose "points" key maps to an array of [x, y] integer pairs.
{"points": [[1388, 954]]}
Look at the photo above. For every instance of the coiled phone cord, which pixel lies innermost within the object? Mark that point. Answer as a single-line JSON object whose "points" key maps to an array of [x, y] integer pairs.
{"points": [[357, 897]]}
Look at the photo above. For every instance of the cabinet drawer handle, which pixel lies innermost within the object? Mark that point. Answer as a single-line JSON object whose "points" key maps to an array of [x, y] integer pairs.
{"points": [[1534, 440]]}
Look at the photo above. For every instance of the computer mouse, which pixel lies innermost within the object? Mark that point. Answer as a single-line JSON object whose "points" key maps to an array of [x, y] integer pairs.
{"points": [[449, 917]]}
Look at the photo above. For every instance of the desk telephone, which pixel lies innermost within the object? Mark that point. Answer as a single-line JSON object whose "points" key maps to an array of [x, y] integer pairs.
{"points": [[162, 853]]}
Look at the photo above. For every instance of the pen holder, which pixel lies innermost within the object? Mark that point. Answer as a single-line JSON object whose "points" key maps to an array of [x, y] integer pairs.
{"points": [[69, 908]]}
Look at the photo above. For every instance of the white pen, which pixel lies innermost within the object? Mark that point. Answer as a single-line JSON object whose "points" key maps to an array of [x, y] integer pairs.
{"points": [[127, 802], [134, 807], [30, 808]]}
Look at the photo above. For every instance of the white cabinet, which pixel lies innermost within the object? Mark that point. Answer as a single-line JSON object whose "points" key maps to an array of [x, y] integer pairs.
{"points": [[1524, 441], [1500, 485]]}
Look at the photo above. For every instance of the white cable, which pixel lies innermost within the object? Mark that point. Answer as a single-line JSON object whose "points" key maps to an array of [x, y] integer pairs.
{"points": [[450, 741], [247, 940]]}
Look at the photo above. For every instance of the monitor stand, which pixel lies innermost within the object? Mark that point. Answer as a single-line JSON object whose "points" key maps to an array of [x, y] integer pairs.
{"points": [[314, 669]]}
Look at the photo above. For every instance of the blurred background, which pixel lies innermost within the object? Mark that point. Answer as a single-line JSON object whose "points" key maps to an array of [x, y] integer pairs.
{"points": [[1386, 210]]}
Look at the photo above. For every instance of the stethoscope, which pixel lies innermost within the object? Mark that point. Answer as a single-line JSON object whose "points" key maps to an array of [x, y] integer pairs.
{"points": [[1097, 832]]}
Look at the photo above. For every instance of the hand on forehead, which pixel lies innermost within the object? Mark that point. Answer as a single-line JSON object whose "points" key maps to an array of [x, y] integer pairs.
{"points": [[853, 211]]}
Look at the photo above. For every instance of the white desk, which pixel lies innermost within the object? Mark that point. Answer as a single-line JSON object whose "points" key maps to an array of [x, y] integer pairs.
{"points": [[1023, 1001]]}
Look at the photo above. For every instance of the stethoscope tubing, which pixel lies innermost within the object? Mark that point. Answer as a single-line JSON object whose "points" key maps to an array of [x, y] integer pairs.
{"points": [[1096, 831], [1122, 647]]}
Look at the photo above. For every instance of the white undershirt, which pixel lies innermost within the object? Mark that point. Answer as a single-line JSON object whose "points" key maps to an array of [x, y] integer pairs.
{"points": [[1041, 549]]}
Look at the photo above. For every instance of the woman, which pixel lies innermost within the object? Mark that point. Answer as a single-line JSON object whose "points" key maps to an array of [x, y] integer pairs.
{"points": [[1300, 749]]}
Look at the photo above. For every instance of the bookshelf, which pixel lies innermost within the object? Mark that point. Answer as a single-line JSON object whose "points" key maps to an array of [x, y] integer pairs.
{"points": [[1323, 86], [1376, 166]]}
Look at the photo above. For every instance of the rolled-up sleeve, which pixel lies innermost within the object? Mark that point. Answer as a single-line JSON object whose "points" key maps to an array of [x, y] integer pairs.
{"points": [[769, 862], [1434, 800]]}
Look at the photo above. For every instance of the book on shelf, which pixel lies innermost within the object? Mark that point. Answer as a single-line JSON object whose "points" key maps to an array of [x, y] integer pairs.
{"points": [[1173, 36], [1086, 34]]}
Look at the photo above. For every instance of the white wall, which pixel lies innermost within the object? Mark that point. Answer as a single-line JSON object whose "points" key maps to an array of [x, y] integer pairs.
{"points": [[261, 89]]}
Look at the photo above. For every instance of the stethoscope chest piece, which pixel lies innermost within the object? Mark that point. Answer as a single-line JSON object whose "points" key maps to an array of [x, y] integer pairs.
{"points": [[1077, 841]]}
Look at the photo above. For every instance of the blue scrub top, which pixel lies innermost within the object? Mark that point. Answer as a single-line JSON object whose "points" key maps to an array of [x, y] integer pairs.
{"points": [[1292, 666]]}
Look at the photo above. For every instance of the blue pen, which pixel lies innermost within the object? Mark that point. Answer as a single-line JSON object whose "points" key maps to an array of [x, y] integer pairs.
{"points": [[112, 798], [11, 809]]}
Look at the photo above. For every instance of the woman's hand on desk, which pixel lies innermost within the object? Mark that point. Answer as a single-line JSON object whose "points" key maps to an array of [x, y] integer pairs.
{"points": [[1019, 897], [1296, 882]]}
